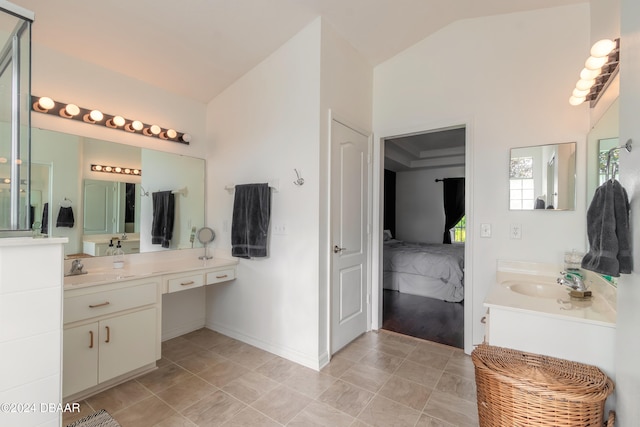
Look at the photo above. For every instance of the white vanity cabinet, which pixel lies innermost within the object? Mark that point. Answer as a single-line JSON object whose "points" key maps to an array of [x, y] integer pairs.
{"points": [[527, 310], [194, 279], [111, 332]]}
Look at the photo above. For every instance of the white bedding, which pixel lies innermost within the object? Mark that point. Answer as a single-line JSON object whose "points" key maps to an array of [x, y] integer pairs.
{"points": [[427, 269]]}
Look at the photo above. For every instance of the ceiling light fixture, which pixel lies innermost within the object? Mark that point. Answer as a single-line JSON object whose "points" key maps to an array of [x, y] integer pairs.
{"points": [[47, 105], [116, 169], [599, 69]]}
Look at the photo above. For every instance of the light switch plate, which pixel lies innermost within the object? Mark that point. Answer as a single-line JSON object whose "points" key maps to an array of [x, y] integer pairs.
{"points": [[515, 231], [485, 230]]}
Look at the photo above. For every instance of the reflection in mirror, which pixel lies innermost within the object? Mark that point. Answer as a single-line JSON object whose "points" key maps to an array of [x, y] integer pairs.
{"points": [[605, 170], [603, 134], [110, 207], [115, 206], [543, 177]]}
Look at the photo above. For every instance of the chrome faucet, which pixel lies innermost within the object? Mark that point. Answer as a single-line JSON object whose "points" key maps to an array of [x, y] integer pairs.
{"points": [[76, 268], [124, 236], [572, 280]]}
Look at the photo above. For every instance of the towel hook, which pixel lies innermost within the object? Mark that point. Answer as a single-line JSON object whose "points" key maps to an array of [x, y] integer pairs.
{"points": [[300, 180]]}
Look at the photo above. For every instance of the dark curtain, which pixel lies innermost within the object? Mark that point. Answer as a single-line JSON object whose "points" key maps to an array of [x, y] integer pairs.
{"points": [[390, 201], [453, 204]]}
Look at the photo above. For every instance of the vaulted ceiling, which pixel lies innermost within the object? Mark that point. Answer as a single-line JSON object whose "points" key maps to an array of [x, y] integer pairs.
{"points": [[197, 48]]}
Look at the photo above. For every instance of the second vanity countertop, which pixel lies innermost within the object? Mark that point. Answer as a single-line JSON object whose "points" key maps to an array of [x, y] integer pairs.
{"points": [[553, 299], [139, 266]]}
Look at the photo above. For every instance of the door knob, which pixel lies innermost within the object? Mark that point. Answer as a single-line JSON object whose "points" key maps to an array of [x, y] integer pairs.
{"points": [[337, 249]]}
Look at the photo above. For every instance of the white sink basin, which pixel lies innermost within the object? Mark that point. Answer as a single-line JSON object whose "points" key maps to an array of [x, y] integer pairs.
{"points": [[537, 290]]}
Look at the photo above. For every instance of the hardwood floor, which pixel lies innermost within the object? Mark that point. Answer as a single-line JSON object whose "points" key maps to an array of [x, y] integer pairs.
{"points": [[426, 318]]}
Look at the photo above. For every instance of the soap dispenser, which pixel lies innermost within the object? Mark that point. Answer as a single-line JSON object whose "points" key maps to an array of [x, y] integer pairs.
{"points": [[118, 256], [110, 250]]}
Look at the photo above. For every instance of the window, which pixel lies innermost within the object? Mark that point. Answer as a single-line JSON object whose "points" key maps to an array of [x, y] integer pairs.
{"points": [[521, 192], [459, 231]]}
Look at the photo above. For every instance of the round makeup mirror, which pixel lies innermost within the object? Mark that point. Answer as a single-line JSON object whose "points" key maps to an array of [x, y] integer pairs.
{"points": [[205, 236]]}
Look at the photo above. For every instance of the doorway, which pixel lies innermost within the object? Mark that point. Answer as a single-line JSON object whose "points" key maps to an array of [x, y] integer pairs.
{"points": [[422, 283]]}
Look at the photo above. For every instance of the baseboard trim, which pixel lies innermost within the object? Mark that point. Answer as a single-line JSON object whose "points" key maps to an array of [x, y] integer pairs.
{"points": [[287, 353], [182, 329]]}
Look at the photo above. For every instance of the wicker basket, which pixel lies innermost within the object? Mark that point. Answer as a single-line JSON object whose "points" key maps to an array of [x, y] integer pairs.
{"points": [[516, 388]]}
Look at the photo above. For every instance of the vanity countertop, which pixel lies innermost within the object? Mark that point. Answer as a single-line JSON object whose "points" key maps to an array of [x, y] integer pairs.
{"points": [[554, 300], [139, 266]]}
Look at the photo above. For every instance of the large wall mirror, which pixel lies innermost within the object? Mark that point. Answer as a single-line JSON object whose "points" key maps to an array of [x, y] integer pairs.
{"points": [[92, 208], [602, 137], [543, 177]]}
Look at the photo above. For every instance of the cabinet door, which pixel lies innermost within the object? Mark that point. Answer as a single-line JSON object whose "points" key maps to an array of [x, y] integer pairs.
{"points": [[127, 342], [80, 358]]}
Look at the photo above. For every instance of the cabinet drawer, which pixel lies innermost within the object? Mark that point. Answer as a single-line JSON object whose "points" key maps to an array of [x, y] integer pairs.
{"points": [[185, 282], [108, 301], [220, 276]]}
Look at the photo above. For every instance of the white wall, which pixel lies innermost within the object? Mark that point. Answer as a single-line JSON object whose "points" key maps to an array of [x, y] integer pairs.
{"points": [[262, 127], [272, 120], [346, 94], [627, 342], [419, 204], [512, 81]]}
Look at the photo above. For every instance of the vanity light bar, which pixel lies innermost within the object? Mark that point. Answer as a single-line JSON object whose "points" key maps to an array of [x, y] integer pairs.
{"points": [[599, 69], [71, 111], [116, 169]]}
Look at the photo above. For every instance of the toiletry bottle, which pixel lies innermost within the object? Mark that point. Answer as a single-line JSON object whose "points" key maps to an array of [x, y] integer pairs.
{"points": [[110, 250], [118, 258]]}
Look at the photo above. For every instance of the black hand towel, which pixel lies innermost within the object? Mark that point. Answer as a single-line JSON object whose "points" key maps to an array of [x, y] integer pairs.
{"points": [[163, 218], [45, 219], [250, 223], [608, 231], [65, 217]]}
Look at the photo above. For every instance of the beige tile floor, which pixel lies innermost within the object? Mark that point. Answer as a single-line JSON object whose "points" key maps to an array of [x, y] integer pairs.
{"points": [[381, 379]]}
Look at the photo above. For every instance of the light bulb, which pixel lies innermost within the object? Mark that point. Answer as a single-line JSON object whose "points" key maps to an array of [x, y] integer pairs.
{"points": [[587, 74], [155, 129], [137, 125], [580, 93], [118, 169], [107, 168], [602, 48], [171, 133], [576, 101], [45, 104], [96, 115], [593, 63], [186, 138], [585, 84], [118, 120], [69, 111]]}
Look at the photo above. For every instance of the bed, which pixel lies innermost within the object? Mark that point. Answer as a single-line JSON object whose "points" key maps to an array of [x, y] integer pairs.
{"points": [[427, 269]]}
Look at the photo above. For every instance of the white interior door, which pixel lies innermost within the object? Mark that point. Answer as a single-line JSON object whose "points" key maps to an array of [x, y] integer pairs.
{"points": [[350, 158]]}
